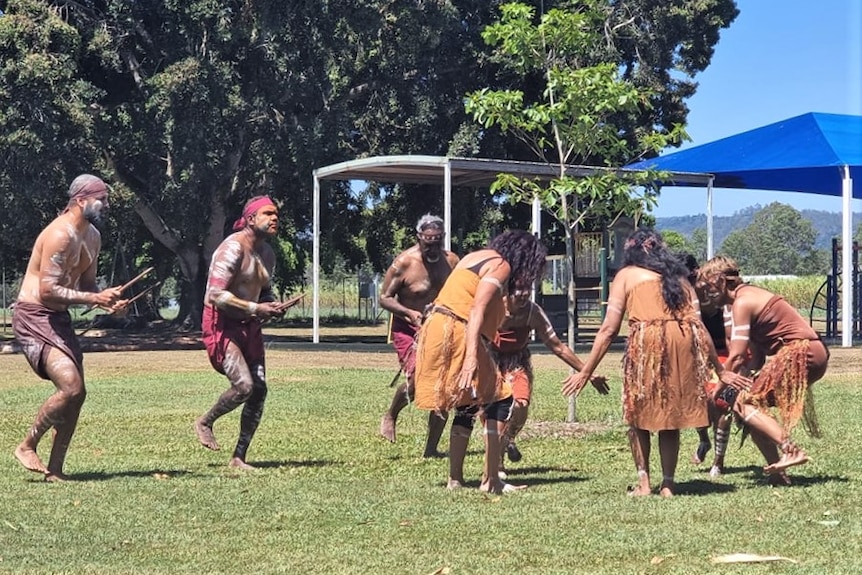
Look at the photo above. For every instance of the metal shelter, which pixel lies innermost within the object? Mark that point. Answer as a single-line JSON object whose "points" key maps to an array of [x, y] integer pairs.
{"points": [[813, 153], [451, 172]]}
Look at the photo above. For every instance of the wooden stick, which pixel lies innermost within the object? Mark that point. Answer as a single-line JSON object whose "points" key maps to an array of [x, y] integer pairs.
{"points": [[125, 286], [133, 299], [136, 279]]}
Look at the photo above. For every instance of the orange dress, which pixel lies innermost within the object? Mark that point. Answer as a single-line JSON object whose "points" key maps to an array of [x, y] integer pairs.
{"points": [[441, 346], [665, 364]]}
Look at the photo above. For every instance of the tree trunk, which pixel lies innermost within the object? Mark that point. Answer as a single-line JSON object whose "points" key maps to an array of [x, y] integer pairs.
{"points": [[571, 414]]}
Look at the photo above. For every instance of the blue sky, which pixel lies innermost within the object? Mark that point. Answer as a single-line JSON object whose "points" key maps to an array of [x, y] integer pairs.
{"points": [[779, 59]]}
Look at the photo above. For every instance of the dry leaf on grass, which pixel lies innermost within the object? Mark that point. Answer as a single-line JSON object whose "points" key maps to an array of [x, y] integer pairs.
{"points": [[441, 571], [750, 558]]}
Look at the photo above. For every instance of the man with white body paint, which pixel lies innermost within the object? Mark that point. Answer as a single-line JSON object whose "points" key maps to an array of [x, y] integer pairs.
{"points": [[61, 272], [238, 299]]}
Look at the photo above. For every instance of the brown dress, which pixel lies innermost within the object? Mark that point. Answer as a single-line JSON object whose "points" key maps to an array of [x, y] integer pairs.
{"points": [[441, 345], [799, 359], [665, 364]]}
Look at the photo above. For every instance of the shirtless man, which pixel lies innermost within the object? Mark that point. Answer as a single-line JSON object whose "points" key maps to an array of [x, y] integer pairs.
{"points": [[411, 283], [238, 299], [61, 272]]}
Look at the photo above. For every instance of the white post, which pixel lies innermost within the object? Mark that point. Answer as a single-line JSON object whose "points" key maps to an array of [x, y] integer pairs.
{"points": [[847, 283], [710, 242], [447, 205], [315, 262]]}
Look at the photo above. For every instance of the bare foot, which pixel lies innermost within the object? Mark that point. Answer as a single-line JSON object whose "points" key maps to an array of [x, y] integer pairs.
{"points": [[52, 477], [29, 459], [639, 491], [667, 489], [240, 464], [387, 428], [499, 487], [797, 457], [700, 453], [454, 484], [434, 454], [205, 435]]}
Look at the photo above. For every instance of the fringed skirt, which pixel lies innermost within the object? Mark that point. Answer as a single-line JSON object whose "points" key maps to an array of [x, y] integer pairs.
{"points": [[785, 383], [664, 369]]}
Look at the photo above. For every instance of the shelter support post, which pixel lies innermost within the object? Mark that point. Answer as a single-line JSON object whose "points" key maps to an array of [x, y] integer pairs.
{"points": [[315, 262], [447, 206], [710, 242], [848, 281]]}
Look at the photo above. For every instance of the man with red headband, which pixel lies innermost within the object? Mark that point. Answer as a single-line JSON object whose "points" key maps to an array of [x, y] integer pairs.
{"points": [[61, 272], [237, 300], [411, 283]]}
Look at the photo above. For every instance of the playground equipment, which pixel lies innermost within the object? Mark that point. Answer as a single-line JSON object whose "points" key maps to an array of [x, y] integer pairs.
{"points": [[825, 312], [597, 257]]}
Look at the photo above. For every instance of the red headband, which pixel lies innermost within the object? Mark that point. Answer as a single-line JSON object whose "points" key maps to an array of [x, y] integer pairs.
{"points": [[84, 189], [251, 209]]}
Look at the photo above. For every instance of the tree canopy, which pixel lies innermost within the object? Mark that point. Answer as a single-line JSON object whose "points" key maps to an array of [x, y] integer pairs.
{"points": [[778, 241], [187, 108]]}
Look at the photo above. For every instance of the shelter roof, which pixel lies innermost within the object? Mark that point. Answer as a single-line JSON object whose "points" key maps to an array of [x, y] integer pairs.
{"points": [[466, 172], [805, 153]]}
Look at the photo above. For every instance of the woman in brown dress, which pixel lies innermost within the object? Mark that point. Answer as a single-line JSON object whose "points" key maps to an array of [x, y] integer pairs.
{"points": [[667, 356], [765, 325]]}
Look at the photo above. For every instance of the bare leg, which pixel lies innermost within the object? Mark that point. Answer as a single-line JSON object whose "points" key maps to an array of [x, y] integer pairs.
{"points": [[63, 432], [668, 448], [703, 446], [459, 437], [61, 411], [772, 432], [436, 425], [491, 481], [252, 411], [722, 437], [240, 390], [513, 428], [639, 441], [399, 402]]}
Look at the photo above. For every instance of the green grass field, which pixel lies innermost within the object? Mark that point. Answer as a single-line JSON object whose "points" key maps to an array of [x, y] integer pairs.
{"points": [[331, 497]]}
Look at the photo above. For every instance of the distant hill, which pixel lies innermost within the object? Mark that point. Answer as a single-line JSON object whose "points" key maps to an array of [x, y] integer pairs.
{"points": [[827, 224]]}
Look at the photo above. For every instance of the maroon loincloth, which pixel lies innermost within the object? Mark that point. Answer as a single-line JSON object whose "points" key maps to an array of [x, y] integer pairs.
{"points": [[38, 329], [219, 330], [404, 341]]}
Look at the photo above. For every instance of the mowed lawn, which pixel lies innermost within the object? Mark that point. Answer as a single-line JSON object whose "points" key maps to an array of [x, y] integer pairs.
{"points": [[332, 497]]}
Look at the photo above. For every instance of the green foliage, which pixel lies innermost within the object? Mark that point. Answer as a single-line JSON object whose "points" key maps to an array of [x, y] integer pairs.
{"points": [[778, 241], [332, 498], [572, 120], [46, 125], [677, 242]]}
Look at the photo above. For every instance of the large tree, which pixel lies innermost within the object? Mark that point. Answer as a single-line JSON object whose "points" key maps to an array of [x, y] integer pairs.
{"points": [[190, 107], [778, 241]]}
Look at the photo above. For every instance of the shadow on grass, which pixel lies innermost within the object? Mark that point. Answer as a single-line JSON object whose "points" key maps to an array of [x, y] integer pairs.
{"points": [[702, 487], [535, 475], [289, 463], [107, 476]]}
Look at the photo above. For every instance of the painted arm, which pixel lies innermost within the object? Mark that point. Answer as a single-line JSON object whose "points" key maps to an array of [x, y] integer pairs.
{"points": [[489, 287], [53, 270], [223, 271], [540, 323], [607, 332]]}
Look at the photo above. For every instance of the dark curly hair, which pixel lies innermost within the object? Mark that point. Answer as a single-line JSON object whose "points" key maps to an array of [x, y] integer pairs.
{"points": [[645, 248], [525, 254]]}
